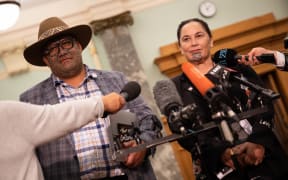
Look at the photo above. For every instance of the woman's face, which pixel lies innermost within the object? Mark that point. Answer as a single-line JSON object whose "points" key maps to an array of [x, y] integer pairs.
{"points": [[194, 42]]}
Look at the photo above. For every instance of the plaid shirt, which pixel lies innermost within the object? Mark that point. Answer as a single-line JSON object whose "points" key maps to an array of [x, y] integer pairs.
{"points": [[59, 160], [91, 142]]}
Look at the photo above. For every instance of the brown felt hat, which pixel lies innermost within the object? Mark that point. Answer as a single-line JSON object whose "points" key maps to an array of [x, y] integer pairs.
{"points": [[48, 30]]}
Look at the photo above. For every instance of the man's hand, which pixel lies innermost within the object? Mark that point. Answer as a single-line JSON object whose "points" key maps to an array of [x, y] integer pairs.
{"points": [[134, 159], [113, 102]]}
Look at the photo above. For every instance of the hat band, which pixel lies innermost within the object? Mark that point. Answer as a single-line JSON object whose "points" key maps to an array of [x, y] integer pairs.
{"points": [[51, 32]]}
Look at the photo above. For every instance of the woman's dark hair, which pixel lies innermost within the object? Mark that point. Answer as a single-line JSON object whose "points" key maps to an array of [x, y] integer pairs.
{"points": [[203, 24]]}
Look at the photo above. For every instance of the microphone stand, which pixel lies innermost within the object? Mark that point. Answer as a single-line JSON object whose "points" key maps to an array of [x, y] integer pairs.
{"points": [[121, 154], [222, 117], [266, 92]]}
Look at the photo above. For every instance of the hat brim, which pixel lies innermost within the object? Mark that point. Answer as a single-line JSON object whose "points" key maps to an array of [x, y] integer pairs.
{"points": [[34, 53]]}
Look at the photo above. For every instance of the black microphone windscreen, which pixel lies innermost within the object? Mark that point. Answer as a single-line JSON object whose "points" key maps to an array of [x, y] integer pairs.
{"points": [[226, 57], [166, 96], [131, 90]]}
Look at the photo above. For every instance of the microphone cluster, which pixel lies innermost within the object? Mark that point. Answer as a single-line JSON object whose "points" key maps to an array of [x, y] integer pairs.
{"points": [[181, 118], [217, 99]]}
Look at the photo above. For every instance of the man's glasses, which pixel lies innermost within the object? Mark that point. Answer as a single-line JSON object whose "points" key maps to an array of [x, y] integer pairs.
{"points": [[53, 49]]}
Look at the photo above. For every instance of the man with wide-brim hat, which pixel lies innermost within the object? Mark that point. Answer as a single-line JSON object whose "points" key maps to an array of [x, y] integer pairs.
{"points": [[85, 153], [50, 29]]}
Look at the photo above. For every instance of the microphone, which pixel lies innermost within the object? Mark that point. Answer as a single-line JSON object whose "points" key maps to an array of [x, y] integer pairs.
{"points": [[180, 119], [224, 70], [212, 93], [170, 104], [217, 99], [167, 97], [130, 91], [229, 57], [202, 83]]}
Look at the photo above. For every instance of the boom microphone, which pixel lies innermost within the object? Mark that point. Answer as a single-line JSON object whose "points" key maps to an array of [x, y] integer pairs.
{"points": [[130, 91], [166, 97], [170, 104], [230, 57]]}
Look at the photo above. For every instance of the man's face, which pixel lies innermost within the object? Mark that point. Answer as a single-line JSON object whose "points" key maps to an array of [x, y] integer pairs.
{"points": [[63, 56]]}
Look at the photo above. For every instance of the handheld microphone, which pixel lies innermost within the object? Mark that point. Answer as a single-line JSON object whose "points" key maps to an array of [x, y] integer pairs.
{"points": [[130, 91], [229, 57]]}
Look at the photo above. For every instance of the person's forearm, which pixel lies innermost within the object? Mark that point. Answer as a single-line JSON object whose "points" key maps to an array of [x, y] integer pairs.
{"points": [[40, 124]]}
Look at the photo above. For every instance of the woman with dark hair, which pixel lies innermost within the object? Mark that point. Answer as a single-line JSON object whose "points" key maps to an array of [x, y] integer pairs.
{"points": [[256, 156]]}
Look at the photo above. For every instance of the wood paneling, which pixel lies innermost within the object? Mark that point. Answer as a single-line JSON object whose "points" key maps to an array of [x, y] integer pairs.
{"points": [[262, 31]]}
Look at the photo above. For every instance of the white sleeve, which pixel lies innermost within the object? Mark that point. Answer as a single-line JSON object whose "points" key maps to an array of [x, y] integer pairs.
{"points": [[280, 60], [40, 124]]}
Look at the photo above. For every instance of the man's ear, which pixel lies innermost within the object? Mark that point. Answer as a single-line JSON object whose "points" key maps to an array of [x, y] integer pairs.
{"points": [[79, 45], [45, 60]]}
